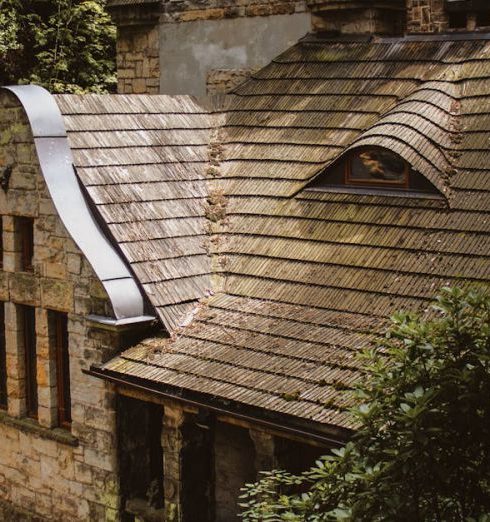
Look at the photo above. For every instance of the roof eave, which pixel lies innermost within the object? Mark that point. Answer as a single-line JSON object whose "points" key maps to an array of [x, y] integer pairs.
{"points": [[326, 434]]}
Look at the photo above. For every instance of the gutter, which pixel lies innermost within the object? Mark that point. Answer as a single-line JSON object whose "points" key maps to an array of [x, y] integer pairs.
{"points": [[328, 435]]}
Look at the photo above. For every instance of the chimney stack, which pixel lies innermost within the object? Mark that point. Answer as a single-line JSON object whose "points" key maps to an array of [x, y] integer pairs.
{"points": [[381, 17]]}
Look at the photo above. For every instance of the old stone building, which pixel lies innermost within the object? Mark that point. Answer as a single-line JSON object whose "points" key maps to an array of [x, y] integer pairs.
{"points": [[194, 47], [176, 47], [57, 429], [186, 282]]}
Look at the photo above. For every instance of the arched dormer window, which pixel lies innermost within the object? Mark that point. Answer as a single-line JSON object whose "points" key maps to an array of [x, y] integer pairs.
{"points": [[371, 169], [375, 166]]}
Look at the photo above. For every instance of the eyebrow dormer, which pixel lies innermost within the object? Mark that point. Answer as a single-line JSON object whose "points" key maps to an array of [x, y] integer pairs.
{"points": [[373, 169]]}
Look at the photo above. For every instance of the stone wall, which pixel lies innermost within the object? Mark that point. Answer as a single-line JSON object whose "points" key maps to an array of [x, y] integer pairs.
{"points": [[426, 16], [223, 81], [53, 473], [138, 66]]}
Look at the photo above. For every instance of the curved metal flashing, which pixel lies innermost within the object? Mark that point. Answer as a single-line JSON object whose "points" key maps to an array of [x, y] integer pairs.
{"points": [[56, 161]]}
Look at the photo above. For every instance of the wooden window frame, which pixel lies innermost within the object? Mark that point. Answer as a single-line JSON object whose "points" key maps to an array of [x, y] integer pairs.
{"points": [[349, 182], [3, 361], [28, 323], [59, 325], [25, 239], [1, 242]]}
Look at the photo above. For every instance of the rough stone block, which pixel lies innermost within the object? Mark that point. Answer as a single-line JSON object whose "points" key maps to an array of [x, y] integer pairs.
{"points": [[100, 460], [139, 86], [24, 288], [21, 203], [4, 292], [56, 294], [22, 178], [55, 270], [9, 262]]}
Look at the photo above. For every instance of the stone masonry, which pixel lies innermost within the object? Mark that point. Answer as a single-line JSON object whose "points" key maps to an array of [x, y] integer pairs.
{"points": [[50, 472], [222, 81], [426, 16], [191, 10], [138, 67], [172, 442]]}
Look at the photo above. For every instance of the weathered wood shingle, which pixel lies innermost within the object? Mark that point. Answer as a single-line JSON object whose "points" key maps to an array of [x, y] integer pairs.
{"points": [[218, 203], [142, 160]]}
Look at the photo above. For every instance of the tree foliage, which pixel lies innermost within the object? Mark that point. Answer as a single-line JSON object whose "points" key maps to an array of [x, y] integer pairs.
{"points": [[421, 453], [63, 45]]}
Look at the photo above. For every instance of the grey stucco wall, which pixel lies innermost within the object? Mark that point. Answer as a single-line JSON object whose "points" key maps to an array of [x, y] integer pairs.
{"points": [[189, 50]]}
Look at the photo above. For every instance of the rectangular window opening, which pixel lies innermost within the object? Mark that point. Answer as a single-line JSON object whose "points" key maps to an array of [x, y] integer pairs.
{"points": [[28, 322], [1, 243], [3, 361], [24, 231], [483, 19], [458, 20], [58, 325]]}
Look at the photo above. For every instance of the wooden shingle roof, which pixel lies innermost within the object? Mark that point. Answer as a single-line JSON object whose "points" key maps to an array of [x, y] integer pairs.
{"points": [[293, 282], [142, 161]]}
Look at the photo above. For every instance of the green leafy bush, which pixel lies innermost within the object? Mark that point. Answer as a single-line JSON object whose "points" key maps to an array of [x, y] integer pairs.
{"points": [[421, 453], [63, 45]]}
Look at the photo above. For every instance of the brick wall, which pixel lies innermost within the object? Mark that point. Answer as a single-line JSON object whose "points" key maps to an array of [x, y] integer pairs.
{"points": [[54, 473], [426, 16]]}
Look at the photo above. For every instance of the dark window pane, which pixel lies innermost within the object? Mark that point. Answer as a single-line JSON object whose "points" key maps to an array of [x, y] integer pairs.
{"points": [[457, 20], [376, 166], [1, 243], [483, 19], [3, 360], [373, 170], [59, 330], [25, 242], [29, 334]]}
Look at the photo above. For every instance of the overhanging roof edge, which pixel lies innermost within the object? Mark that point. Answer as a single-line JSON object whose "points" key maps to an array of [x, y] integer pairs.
{"points": [[327, 434]]}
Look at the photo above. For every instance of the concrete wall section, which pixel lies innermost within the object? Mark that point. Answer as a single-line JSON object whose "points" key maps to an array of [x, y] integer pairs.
{"points": [[189, 51]]}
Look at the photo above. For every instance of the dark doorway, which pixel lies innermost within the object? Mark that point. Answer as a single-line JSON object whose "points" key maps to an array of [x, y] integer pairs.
{"points": [[140, 458], [296, 457], [197, 469], [234, 466]]}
